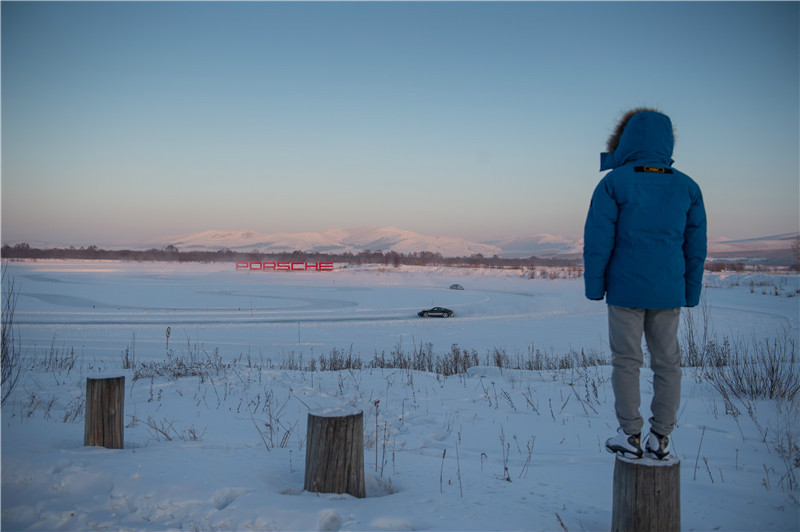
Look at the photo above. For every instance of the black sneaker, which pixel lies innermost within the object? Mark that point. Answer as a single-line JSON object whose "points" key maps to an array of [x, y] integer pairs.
{"points": [[628, 445]]}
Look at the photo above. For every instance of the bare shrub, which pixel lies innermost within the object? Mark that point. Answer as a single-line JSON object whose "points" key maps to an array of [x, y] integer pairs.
{"points": [[537, 360], [129, 355], [337, 361], [165, 430], [700, 349], [196, 362], [456, 361], [60, 361], [11, 362], [758, 370]]}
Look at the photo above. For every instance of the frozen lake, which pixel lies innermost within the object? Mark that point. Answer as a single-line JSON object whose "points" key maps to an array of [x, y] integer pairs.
{"points": [[101, 308]]}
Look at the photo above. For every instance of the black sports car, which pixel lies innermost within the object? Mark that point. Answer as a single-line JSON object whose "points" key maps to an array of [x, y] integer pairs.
{"points": [[436, 311]]}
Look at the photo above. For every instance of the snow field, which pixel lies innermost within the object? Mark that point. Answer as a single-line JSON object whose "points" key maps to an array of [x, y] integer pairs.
{"points": [[488, 449], [276, 313]]}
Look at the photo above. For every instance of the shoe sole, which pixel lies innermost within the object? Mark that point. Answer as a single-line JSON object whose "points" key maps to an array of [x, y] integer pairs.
{"points": [[657, 456], [623, 452]]}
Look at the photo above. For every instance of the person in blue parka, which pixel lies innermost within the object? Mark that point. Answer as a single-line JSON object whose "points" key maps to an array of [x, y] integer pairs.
{"points": [[644, 251]]}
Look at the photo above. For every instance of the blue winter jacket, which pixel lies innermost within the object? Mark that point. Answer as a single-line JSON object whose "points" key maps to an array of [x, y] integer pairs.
{"points": [[645, 234]]}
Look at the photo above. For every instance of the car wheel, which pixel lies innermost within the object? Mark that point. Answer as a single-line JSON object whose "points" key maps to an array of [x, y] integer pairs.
{"points": [[445, 315], [424, 314]]}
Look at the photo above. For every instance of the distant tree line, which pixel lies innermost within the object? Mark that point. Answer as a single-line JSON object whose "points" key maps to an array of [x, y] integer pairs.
{"points": [[173, 254]]}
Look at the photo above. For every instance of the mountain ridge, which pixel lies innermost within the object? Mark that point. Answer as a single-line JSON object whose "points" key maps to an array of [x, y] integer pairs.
{"points": [[389, 238], [333, 240]]}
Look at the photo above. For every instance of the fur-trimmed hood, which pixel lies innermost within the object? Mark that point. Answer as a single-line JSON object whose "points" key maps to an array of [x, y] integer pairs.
{"points": [[643, 136]]}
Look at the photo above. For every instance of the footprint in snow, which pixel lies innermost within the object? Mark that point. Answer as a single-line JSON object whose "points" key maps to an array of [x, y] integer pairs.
{"points": [[224, 497], [329, 521]]}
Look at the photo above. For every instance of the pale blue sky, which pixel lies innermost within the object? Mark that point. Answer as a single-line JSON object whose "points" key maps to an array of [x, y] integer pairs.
{"points": [[476, 120]]}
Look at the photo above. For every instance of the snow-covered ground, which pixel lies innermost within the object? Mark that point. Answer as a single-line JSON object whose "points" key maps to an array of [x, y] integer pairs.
{"points": [[488, 449]]}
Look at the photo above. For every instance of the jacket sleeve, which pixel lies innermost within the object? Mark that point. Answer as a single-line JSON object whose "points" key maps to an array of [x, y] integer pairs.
{"points": [[694, 249], [598, 239]]}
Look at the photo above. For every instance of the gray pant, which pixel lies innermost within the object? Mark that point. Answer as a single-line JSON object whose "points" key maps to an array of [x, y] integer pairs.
{"points": [[660, 328]]}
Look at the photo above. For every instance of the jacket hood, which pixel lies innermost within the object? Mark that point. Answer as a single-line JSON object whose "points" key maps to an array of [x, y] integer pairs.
{"points": [[647, 137]]}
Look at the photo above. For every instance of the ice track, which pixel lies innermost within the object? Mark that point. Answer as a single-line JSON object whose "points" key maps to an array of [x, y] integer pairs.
{"points": [[103, 308]]}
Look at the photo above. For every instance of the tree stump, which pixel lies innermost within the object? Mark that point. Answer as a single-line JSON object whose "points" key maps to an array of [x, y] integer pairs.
{"points": [[105, 409], [335, 453], [647, 495]]}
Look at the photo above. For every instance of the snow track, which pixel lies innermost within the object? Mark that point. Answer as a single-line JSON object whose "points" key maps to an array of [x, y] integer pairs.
{"points": [[101, 308]]}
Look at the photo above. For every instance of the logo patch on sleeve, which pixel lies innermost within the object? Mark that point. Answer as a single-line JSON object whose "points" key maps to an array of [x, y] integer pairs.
{"points": [[653, 169]]}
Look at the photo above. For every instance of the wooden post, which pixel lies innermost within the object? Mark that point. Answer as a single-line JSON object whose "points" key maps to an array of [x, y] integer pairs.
{"points": [[335, 454], [105, 409], [647, 495]]}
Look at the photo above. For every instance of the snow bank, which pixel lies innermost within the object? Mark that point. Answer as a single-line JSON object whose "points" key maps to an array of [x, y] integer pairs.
{"points": [[482, 450]]}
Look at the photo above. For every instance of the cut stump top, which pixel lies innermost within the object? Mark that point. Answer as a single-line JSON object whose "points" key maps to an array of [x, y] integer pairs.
{"points": [[649, 462]]}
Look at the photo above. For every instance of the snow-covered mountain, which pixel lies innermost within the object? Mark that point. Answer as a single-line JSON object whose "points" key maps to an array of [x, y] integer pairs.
{"points": [[355, 240], [334, 240], [774, 242], [539, 245]]}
